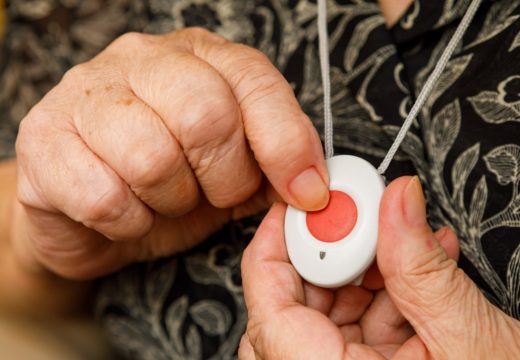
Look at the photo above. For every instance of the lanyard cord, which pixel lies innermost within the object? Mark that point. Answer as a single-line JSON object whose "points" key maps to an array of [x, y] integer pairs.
{"points": [[419, 102], [323, 42]]}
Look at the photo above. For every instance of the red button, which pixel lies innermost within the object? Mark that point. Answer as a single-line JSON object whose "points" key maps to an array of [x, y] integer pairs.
{"points": [[335, 221]]}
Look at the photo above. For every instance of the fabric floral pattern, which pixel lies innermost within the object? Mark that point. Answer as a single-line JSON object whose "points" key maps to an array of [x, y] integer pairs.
{"points": [[500, 106], [464, 145], [161, 310]]}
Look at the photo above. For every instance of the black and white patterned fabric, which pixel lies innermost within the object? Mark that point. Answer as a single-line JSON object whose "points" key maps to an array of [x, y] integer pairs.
{"points": [[465, 146]]}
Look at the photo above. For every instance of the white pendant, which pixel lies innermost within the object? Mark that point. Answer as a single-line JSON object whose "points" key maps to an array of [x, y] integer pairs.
{"points": [[335, 246]]}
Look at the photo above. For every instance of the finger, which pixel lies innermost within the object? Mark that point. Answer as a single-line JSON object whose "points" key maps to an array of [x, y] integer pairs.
{"points": [[285, 144], [383, 323], [274, 297], [132, 139], [386, 350], [351, 333], [373, 279], [262, 200], [246, 350], [317, 298], [436, 297], [350, 302], [171, 236], [76, 252], [270, 282], [200, 110], [69, 178], [361, 352], [412, 349], [449, 241], [66, 247]]}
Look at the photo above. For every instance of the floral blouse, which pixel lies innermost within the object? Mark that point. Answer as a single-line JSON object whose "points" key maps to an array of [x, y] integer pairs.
{"points": [[465, 145]]}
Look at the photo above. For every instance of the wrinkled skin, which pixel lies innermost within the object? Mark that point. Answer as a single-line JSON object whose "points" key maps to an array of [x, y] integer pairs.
{"points": [[419, 306], [153, 145]]}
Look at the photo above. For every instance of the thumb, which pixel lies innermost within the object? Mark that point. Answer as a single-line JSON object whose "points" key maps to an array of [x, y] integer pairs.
{"points": [[444, 306]]}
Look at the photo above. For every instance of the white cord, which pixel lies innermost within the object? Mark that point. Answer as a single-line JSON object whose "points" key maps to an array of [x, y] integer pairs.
{"points": [[325, 77], [430, 84], [421, 99]]}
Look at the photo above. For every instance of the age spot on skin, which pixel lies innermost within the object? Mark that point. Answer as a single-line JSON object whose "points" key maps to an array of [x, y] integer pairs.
{"points": [[126, 102]]}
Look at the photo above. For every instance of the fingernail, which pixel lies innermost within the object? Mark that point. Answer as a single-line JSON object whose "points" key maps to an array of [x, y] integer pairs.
{"points": [[414, 206], [309, 190]]}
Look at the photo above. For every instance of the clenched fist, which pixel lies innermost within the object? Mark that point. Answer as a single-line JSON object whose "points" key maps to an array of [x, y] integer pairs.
{"points": [[154, 144]]}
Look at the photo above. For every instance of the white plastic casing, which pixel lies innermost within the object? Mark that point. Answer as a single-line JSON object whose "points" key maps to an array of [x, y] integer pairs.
{"points": [[338, 263]]}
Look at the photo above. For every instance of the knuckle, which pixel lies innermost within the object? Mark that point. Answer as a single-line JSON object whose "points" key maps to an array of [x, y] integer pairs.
{"points": [[80, 79], [186, 200], [78, 73], [434, 274], [33, 146], [128, 48], [195, 32], [133, 40], [236, 190], [33, 132], [235, 193], [105, 207], [435, 294], [213, 124], [151, 165], [25, 136], [428, 264], [254, 66], [26, 193], [194, 35]]}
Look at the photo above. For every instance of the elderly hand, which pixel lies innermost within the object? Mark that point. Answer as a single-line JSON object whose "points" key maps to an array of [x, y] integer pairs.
{"points": [[289, 319], [154, 144]]}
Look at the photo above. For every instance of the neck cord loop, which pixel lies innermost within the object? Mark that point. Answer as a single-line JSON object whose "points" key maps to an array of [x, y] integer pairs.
{"points": [[325, 77], [421, 98]]}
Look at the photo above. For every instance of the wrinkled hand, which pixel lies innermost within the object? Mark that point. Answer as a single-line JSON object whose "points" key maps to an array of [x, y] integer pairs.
{"points": [[451, 319], [154, 144]]}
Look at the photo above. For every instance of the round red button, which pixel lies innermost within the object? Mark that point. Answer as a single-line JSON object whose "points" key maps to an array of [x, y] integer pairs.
{"points": [[336, 220]]}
